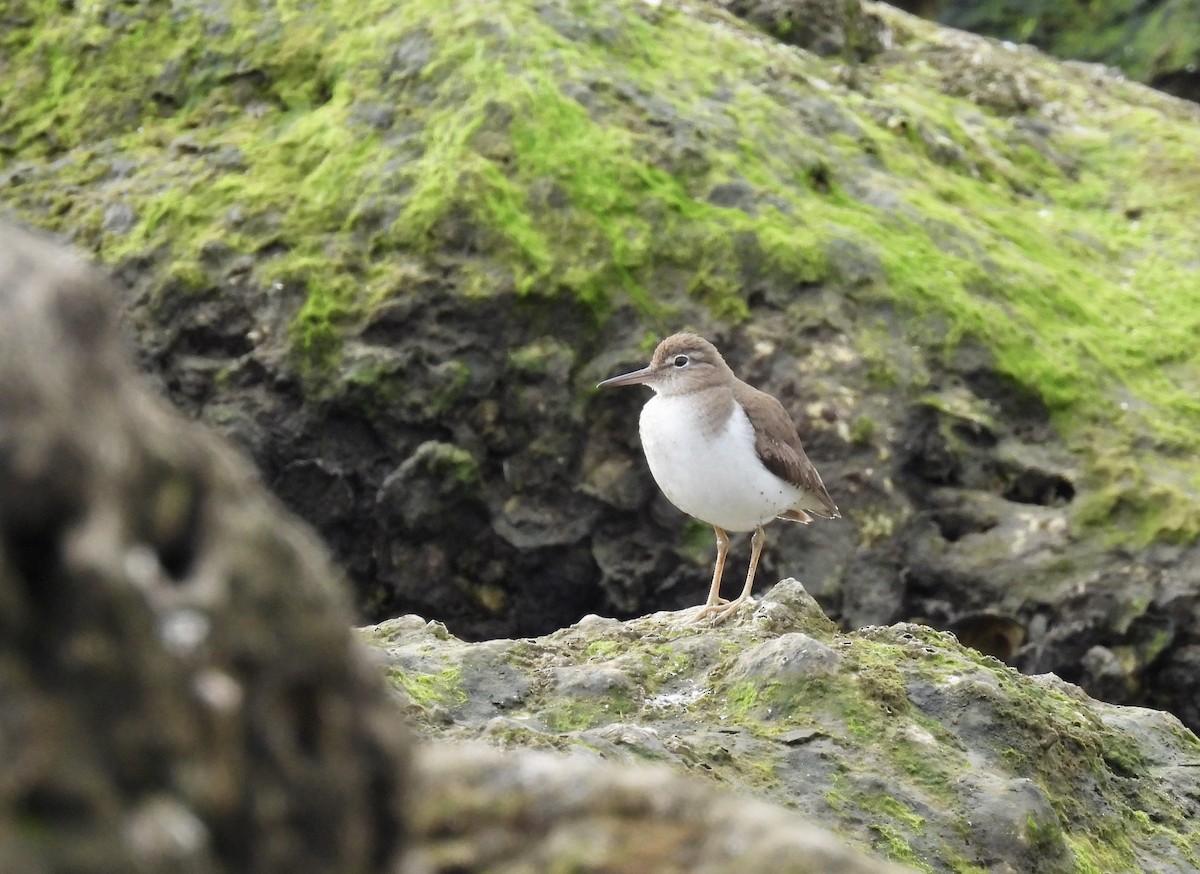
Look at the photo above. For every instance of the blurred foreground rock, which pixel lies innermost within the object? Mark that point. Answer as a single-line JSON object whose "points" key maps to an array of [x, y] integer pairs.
{"points": [[487, 810], [179, 690]]}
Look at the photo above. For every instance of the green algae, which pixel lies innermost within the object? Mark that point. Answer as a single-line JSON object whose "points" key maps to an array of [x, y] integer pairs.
{"points": [[1063, 747], [603, 649], [426, 689], [578, 714], [578, 148]]}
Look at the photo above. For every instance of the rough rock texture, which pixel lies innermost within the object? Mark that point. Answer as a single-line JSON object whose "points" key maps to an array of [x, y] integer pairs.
{"points": [[1155, 42], [521, 810], [179, 690], [389, 249], [899, 739], [827, 27]]}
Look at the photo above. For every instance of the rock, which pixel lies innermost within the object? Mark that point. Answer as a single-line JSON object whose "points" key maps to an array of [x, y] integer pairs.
{"points": [[181, 691], [827, 27], [536, 811], [430, 486], [1133, 38], [1014, 828], [395, 280], [787, 657], [897, 739]]}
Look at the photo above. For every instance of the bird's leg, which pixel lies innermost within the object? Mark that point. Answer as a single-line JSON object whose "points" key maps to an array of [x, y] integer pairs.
{"points": [[756, 545], [714, 593]]}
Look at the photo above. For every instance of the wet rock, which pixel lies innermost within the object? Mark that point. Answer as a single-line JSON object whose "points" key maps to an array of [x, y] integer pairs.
{"points": [[816, 210], [533, 524], [181, 691], [430, 486], [592, 682]]}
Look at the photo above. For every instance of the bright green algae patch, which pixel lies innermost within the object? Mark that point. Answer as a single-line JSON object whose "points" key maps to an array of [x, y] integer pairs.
{"points": [[593, 150]]}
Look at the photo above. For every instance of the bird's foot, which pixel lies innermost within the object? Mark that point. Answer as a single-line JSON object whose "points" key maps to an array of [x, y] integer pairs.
{"points": [[720, 611], [705, 611]]}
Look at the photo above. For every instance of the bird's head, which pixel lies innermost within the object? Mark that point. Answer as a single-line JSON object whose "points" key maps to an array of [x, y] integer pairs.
{"points": [[682, 363]]}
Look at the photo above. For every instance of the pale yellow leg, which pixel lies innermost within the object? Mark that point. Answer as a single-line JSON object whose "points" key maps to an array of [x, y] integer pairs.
{"points": [[756, 545], [714, 592]]}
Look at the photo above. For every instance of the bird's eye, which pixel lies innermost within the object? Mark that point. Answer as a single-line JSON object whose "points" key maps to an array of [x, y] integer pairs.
{"points": [[681, 361]]}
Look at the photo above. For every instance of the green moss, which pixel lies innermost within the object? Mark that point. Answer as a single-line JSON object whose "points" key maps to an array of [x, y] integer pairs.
{"points": [[659, 667], [1061, 745], [1144, 41], [443, 688], [898, 810], [1094, 856], [873, 525], [1042, 837], [862, 429], [452, 378], [895, 846], [697, 542], [670, 661], [452, 465], [346, 148], [603, 649], [741, 698], [961, 406], [576, 714], [540, 357], [890, 819]]}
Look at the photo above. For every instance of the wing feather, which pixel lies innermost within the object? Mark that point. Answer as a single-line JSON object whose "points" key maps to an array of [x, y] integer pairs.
{"points": [[779, 447]]}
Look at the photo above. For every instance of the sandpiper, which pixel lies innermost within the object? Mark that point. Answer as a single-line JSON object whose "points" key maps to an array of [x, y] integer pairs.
{"points": [[723, 452]]}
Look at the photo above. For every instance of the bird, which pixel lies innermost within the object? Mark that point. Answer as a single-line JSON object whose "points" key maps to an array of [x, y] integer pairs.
{"points": [[723, 452]]}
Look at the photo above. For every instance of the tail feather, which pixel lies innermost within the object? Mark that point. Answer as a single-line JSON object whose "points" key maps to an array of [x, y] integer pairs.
{"points": [[794, 515]]}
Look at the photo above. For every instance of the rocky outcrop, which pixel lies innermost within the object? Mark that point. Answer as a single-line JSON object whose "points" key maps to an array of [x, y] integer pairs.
{"points": [[178, 685], [898, 739], [390, 254], [180, 688], [1155, 42]]}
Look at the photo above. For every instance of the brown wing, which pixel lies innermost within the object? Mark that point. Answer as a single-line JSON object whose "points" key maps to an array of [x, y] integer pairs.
{"points": [[781, 451]]}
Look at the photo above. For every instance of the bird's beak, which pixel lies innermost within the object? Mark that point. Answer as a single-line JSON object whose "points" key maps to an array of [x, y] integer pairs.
{"points": [[637, 377]]}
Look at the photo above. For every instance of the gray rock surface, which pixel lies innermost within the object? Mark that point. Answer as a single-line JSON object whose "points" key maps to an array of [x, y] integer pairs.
{"points": [[899, 739], [485, 810]]}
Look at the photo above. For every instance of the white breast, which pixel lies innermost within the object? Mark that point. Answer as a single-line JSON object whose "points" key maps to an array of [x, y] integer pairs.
{"points": [[713, 476]]}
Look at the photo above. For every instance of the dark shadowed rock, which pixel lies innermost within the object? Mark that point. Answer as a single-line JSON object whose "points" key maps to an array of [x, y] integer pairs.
{"points": [[179, 690], [827, 27]]}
